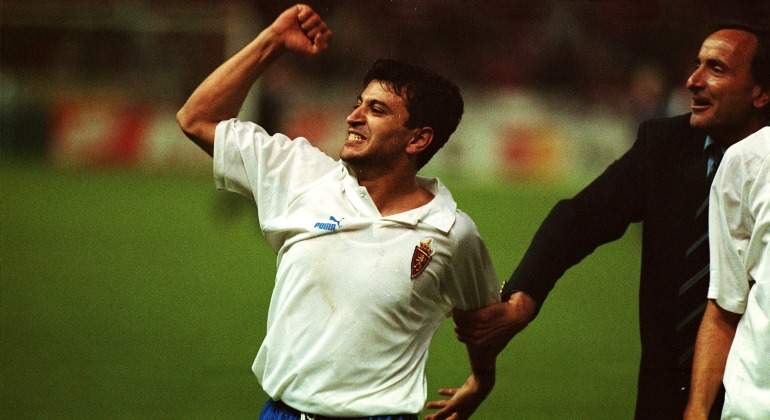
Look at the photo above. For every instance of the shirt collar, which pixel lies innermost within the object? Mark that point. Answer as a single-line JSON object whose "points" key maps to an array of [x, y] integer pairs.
{"points": [[440, 212]]}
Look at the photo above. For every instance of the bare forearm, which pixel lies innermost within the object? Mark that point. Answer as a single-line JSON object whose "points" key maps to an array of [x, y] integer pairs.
{"points": [[483, 366], [715, 336], [298, 29], [221, 95]]}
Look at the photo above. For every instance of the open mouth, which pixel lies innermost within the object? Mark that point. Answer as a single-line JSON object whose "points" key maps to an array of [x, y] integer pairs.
{"points": [[699, 104], [354, 137]]}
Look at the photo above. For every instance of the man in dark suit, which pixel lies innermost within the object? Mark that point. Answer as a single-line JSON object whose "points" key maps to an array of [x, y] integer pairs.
{"points": [[661, 181]]}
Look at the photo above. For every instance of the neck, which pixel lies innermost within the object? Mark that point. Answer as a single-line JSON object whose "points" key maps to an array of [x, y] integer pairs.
{"points": [[393, 190]]}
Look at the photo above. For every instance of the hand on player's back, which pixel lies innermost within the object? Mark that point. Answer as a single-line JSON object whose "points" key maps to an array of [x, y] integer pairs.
{"points": [[302, 30]]}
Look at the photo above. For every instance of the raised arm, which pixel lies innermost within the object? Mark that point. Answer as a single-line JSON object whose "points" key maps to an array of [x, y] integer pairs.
{"points": [[298, 29]]}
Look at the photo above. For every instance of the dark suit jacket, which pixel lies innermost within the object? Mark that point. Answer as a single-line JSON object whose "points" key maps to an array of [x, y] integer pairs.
{"points": [[660, 181]]}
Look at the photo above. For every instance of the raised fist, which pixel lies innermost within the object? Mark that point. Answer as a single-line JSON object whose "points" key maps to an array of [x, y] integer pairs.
{"points": [[302, 30]]}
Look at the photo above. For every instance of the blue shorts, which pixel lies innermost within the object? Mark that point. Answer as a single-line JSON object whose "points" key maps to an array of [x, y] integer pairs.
{"points": [[277, 410]]}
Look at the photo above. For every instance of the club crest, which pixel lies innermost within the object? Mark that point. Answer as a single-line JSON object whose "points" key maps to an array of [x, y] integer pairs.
{"points": [[422, 255]]}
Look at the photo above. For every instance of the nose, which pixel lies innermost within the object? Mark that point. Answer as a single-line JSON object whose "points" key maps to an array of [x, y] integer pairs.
{"points": [[356, 117], [696, 80]]}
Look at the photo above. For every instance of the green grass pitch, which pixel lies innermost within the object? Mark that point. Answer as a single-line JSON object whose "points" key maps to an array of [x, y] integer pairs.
{"points": [[144, 297]]}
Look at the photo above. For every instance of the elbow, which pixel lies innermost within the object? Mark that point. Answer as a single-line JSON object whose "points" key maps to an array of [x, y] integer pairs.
{"points": [[197, 129], [186, 121]]}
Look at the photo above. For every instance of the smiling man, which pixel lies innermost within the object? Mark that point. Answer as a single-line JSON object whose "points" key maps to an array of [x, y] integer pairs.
{"points": [[371, 257], [662, 181]]}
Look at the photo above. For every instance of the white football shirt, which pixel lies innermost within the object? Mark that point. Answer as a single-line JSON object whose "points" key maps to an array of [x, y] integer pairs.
{"points": [[739, 240], [357, 296]]}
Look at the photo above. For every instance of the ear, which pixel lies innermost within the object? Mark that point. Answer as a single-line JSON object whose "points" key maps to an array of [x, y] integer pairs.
{"points": [[761, 97], [421, 140]]}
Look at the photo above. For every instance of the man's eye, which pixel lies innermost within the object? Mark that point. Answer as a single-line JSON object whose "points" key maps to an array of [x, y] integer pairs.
{"points": [[378, 110], [717, 69], [716, 66]]}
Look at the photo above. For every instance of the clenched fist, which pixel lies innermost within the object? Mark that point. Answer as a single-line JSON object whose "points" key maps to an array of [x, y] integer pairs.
{"points": [[301, 30]]}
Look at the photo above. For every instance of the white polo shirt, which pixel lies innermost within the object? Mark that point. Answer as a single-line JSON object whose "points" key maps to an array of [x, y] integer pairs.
{"points": [[739, 239], [357, 298]]}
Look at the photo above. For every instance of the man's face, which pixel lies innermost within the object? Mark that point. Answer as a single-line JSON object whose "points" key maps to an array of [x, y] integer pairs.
{"points": [[722, 86], [376, 128]]}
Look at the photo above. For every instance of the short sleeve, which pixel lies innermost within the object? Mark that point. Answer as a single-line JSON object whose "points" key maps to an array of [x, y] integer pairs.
{"points": [[471, 282], [730, 229], [272, 169]]}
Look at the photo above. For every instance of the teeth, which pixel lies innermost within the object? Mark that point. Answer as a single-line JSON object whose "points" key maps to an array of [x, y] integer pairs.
{"points": [[355, 137]]}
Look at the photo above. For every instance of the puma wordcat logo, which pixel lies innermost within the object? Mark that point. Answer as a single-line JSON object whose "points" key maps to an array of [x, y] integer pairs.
{"points": [[329, 226]]}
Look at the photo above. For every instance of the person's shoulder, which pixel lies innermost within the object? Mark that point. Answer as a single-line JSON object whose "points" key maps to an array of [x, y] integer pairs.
{"points": [[671, 132], [754, 148], [251, 130], [676, 123], [240, 126], [759, 141], [464, 219], [464, 226]]}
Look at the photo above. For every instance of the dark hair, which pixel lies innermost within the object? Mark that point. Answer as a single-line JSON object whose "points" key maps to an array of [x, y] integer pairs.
{"points": [[760, 64], [431, 100]]}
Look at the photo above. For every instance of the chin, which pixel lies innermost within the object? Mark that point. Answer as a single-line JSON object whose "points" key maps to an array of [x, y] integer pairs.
{"points": [[699, 121], [345, 154], [349, 157]]}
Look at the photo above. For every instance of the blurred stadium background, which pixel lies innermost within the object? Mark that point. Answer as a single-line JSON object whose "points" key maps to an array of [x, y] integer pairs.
{"points": [[130, 289]]}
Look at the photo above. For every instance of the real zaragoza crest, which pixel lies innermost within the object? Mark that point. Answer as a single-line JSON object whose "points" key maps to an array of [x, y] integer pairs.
{"points": [[422, 255]]}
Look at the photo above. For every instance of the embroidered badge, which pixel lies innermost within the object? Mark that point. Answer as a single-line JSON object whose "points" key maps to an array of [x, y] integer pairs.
{"points": [[422, 255]]}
